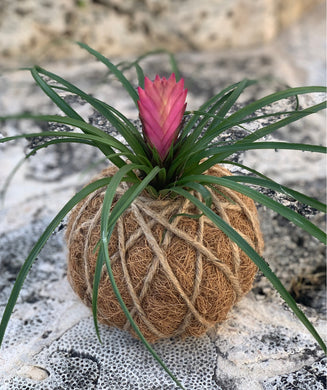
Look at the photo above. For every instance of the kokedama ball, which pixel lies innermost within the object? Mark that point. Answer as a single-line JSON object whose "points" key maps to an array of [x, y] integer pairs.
{"points": [[177, 274]]}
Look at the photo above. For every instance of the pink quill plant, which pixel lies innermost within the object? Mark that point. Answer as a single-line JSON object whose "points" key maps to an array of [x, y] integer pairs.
{"points": [[162, 105], [167, 161]]}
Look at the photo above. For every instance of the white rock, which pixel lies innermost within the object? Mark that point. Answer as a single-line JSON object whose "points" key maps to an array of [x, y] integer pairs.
{"points": [[33, 372], [44, 28]]}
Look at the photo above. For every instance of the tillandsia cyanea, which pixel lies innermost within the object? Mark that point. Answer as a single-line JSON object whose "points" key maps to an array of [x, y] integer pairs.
{"points": [[170, 159], [162, 105]]}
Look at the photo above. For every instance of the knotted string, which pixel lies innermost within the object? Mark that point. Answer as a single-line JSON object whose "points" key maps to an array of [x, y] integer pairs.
{"points": [[83, 232]]}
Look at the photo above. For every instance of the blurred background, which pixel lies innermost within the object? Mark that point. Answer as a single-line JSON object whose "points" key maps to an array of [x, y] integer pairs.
{"points": [[39, 31]]}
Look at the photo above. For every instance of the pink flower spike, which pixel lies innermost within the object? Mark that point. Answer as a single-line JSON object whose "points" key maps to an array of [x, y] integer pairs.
{"points": [[162, 106]]}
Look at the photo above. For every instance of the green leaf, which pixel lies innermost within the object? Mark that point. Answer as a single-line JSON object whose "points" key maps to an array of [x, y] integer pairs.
{"points": [[186, 141], [227, 125], [256, 258], [213, 129], [92, 133], [68, 110], [162, 175], [110, 193], [174, 66], [240, 117], [74, 136], [205, 193], [264, 131], [191, 132], [272, 98], [214, 103], [96, 284], [285, 190], [225, 98], [125, 65], [124, 126], [140, 75], [251, 119], [229, 103], [217, 152], [280, 188], [9, 178], [108, 221], [291, 215], [257, 173], [296, 115], [35, 149], [120, 76], [39, 245]]}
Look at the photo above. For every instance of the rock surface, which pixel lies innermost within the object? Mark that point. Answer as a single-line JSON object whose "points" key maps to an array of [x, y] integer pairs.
{"points": [[51, 343], [46, 28]]}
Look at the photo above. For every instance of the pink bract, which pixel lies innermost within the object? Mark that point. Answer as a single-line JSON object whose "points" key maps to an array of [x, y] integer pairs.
{"points": [[162, 105]]}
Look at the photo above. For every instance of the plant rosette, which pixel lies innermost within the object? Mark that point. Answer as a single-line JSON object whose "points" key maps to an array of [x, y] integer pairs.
{"points": [[165, 240]]}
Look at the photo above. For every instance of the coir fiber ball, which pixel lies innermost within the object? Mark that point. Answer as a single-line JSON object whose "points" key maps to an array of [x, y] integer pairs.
{"points": [[177, 275]]}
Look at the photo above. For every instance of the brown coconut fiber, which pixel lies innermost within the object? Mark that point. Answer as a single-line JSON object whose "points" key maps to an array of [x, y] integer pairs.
{"points": [[177, 275]]}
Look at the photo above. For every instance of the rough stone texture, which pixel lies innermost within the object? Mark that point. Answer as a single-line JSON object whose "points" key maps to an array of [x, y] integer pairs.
{"points": [[44, 28], [309, 377], [51, 343], [217, 361], [44, 349]]}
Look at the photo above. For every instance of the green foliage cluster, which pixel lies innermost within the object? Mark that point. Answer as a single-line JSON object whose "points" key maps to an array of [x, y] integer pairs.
{"points": [[179, 174]]}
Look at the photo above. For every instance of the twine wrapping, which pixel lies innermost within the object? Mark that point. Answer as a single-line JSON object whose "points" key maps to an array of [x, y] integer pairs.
{"points": [[177, 275]]}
